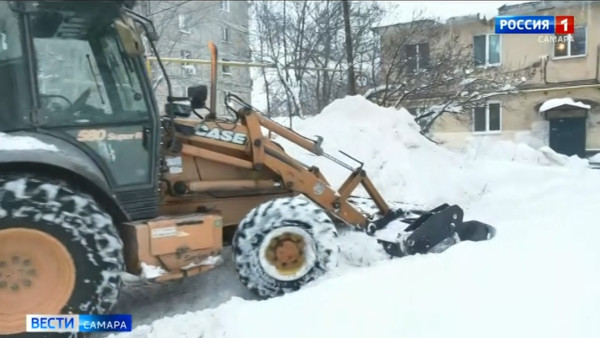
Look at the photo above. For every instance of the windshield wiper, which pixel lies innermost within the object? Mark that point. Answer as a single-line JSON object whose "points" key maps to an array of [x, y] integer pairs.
{"points": [[95, 78]]}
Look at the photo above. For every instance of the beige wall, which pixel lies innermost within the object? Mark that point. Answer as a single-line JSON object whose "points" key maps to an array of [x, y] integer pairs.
{"points": [[520, 116], [520, 119], [519, 50]]}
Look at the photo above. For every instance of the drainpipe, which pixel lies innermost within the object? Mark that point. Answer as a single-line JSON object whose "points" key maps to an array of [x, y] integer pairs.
{"points": [[213, 81], [598, 63]]}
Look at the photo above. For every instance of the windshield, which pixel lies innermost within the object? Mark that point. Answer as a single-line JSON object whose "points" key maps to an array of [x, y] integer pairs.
{"points": [[84, 75], [15, 104]]}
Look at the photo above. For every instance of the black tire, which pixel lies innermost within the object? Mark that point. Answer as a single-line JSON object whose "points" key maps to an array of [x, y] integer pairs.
{"points": [[266, 220], [78, 223]]}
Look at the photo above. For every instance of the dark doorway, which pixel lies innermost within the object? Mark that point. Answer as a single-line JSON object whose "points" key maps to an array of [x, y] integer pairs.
{"points": [[567, 136]]}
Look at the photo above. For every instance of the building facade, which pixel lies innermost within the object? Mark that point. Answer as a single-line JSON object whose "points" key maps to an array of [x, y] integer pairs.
{"points": [[185, 29], [557, 104]]}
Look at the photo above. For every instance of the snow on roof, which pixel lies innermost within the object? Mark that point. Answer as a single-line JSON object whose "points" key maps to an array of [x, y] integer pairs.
{"points": [[405, 11], [553, 103], [10, 142]]}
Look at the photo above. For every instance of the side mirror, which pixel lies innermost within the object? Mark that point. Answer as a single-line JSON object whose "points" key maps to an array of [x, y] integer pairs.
{"points": [[198, 95], [132, 42], [178, 109]]}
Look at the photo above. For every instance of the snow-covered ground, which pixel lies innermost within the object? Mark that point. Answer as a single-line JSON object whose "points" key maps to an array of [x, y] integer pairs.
{"points": [[539, 277]]}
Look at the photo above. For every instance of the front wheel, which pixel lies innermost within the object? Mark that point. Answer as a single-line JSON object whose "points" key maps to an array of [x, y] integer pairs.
{"points": [[283, 244], [59, 252]]}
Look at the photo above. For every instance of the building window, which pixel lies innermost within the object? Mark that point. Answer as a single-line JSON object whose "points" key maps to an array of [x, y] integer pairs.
{"points": [[225, 34], [228, 99], [486, 50], [146, 7], [226, 68], [225, 6], [571, 44], [487, 118], [184, 23], [417, 56], [3, 43], [417, 111], [186, 67]]}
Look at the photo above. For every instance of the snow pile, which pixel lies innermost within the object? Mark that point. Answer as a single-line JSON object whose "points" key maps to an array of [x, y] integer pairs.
{"points": [[538, 277], [397, 157], [595, 158], [537, 136], [501, 150], [553, 103], [389, 142], [11, 142]]}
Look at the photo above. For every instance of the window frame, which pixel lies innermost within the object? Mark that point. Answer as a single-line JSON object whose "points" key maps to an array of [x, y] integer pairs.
{"points": [[570, 40], [182, 23], [186, 54], [487, 50], [223, 68], [418, 57], [487, 130], [226, 34], [227, 7]]}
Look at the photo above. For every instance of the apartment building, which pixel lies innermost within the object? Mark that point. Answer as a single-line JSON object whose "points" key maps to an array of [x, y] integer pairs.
{"points": [[184, 29], [559, 103]]}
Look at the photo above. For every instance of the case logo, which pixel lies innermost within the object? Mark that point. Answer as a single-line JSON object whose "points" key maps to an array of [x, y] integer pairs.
{"points": [[221, 135]]}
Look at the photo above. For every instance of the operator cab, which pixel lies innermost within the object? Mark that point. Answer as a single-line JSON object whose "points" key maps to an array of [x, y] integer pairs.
{"points": [[75, 70]]}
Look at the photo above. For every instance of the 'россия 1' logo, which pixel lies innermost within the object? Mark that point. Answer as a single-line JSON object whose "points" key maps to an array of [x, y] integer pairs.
{"points": [[534, 24]]}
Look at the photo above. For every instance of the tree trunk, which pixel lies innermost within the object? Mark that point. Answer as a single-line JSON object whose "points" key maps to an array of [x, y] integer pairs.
{"points": [[349, 54]]}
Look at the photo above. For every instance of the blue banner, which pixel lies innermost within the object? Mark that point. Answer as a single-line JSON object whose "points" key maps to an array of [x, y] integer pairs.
{"points": [[524, 24], [105, 323], [79, 323]]}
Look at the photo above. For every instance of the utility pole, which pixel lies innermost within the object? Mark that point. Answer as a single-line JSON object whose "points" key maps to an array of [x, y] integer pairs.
{"points": [[349, 54]]}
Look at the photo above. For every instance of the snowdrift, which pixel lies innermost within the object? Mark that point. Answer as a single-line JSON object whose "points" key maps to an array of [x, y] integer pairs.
{"points": [[401, 161], [501, 150], [538, 277]]}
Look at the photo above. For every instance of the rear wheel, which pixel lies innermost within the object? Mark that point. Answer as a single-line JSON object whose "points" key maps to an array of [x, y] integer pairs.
{"points": [[59, 252], [283, 244]]}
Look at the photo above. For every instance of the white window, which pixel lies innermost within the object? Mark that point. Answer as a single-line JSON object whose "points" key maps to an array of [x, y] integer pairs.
{"points": [[225, 34], [229, 101], [3, 44], [184, 23], [571, 44], [225, 6], [146, 7], [487, 118], [226, 68], [486, 50], [186, 54], [186, 67], [417, 56]]}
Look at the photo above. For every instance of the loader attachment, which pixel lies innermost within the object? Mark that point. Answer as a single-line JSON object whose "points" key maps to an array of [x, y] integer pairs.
{"points": [[434, 231], [430, 232]]}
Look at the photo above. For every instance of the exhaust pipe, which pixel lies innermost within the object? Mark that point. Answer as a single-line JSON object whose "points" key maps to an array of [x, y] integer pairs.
{"points": [[213, 81]]}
